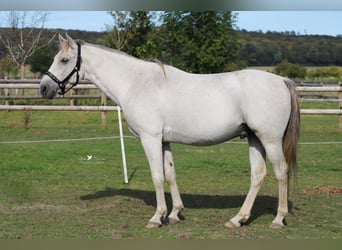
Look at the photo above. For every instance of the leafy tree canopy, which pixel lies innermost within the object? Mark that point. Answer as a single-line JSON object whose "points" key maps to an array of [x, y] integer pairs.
{"points": [[200, 42]]}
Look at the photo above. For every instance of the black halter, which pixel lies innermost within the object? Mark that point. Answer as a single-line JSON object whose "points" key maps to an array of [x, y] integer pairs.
{"points": [[61, 84]]}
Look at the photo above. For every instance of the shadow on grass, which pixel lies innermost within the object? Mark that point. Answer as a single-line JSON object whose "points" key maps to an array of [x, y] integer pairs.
{"points": [[263, 204]]}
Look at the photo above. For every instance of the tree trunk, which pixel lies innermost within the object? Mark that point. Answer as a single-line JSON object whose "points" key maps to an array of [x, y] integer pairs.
{"points": [[22, 77], [22, 71]]}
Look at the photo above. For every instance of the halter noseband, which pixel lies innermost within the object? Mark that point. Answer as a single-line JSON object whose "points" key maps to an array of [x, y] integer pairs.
{"points": [[61, 84]]}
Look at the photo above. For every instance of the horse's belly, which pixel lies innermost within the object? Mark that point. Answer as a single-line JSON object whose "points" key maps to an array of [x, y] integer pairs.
{"points": [[202, 132], [203, 120]]}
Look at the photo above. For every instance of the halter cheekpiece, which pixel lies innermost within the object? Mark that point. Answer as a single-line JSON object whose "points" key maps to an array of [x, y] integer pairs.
{"points": [[76, 69]]}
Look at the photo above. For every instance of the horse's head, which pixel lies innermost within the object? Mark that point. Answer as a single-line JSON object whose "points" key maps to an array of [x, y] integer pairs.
{"points": [[64, 70]]}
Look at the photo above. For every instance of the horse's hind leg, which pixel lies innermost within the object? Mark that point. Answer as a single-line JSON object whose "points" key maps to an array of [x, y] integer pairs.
{"points": [[257, 157], [276, 157], [170, 175]]}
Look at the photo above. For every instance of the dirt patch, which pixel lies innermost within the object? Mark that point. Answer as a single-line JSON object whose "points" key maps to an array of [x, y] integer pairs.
{"points": [[39, 132], [37, 207], [329, 190], [3, 208], [15, 124]]}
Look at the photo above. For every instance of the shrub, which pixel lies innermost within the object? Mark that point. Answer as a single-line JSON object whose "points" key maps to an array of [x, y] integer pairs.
{"points": [[326, 72], [290, 70]]}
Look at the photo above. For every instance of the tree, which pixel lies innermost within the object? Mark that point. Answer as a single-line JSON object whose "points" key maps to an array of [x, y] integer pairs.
{"points": [[41, 60], [140, 28], [118, 34], [199, 42], [130, 32], [7, 67], [22, 38]]}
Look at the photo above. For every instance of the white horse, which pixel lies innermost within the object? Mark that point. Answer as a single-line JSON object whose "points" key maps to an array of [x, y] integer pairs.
{"points": [[163, 104]]}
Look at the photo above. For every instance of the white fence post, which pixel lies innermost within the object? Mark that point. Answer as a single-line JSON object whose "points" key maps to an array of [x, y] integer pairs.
{"points": [[123, 154]]}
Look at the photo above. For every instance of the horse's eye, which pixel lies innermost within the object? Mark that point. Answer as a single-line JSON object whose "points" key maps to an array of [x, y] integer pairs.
{"points": [[64, 60]]}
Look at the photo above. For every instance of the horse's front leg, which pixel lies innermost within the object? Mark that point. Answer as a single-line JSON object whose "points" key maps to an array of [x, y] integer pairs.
{"points": [[153, 150], [170, 174]]}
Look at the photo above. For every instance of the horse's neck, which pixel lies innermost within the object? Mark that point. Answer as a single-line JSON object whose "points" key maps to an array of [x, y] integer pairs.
{"points": [[114, 73]]}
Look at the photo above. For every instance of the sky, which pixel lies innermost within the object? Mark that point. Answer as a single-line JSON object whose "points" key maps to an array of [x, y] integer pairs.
{"points": [[302, 22]]}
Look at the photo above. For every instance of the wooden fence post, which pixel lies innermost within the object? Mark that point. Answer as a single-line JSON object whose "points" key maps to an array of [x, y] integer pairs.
{"points": [[72, 100], [6, 93], [104, 113], [27, 116]]}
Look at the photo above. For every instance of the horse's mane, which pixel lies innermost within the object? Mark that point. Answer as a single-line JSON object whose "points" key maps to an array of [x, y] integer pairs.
{"points": [[153, 60], [160, 63]]}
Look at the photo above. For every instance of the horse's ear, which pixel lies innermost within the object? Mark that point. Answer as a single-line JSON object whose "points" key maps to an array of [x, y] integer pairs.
{"points": [[70, 41], [61, 39], [68, 38]]}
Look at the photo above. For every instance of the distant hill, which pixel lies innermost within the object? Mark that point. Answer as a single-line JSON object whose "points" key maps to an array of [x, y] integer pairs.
{"points": [[257, 48], [271, 48], [88, 36]]}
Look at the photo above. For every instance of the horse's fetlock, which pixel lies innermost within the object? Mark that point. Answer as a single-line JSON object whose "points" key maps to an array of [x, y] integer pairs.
{"points": [[283, 212], [244, 218]]}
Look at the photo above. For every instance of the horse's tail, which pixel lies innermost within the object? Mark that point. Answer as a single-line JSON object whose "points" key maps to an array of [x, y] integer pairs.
{"points": [[291, 134]]}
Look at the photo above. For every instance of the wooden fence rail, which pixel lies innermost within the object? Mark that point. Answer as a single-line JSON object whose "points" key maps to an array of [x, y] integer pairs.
{"points": [[312, 90], [7, 85], [58, 108]]}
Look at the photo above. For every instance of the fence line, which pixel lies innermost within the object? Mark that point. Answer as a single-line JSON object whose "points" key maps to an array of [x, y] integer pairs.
{"points": [[319, 89], [34, 84], [58, 108], [321, 111], [115, 108], [133, 137], [6, 85], [319, 100], [66, 140]]}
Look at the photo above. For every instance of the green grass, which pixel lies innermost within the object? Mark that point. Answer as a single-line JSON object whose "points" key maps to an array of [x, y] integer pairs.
{"points": [[51, 190]]}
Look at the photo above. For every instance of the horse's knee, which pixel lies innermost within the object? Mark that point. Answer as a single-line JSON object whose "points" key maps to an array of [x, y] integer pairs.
{"points": [[281, 175], [257, 178]]}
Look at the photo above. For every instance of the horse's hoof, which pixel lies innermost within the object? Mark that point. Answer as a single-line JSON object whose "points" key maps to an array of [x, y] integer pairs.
{"points": [[152, 225], [276, 226], [173, 220], [230, 224]]}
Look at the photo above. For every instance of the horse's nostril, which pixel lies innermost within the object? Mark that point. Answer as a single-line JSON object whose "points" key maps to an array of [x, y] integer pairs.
{"points": [[43, 89]]}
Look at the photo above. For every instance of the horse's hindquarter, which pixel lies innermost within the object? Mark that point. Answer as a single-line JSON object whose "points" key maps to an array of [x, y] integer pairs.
{"points": [[266, 103]]}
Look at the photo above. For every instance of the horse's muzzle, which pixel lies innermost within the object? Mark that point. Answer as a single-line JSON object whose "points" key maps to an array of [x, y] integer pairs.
{"points": [[48, 89]]}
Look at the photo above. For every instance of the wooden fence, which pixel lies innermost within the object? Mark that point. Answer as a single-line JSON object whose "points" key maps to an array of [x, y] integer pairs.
{"points": [[6, 95], [9, 90], [322, 93], [316, 91]]}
